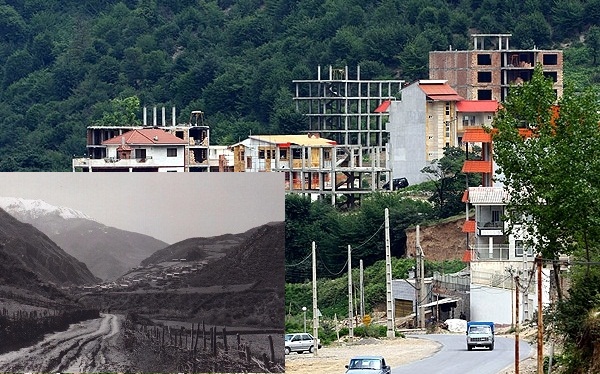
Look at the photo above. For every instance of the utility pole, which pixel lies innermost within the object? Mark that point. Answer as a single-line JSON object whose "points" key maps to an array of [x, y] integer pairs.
{"points": [[540, 321], [388, 278], [525, 289], [350, 307], [517, 324], [421, 278], [314, 289], [362, 291]]}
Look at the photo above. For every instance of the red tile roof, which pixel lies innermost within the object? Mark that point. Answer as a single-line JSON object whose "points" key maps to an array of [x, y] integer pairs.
{"points": [[477, 106], [439, 90], [383, 107], [436, 88], [144, 137], [476, 135]]}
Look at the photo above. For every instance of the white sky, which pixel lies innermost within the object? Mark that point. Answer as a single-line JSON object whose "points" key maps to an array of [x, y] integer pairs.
{"points": [[168, 206]]}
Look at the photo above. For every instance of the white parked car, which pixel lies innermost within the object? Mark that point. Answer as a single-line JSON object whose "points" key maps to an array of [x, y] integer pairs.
{"points": [[299, 342]]}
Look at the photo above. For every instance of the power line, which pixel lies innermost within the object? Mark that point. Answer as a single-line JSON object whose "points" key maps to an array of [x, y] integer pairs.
{"points": [[299, 263]]}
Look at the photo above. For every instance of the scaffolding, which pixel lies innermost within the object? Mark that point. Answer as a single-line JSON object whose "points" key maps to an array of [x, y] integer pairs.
{"points": [[352, 112]]}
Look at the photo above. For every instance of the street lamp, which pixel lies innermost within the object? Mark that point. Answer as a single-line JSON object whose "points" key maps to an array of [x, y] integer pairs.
{"points": [[304, 310]]}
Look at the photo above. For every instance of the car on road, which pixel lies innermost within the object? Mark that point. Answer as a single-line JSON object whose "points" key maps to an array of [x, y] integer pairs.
{"points": [[300, 342], [480, 334], [397, 183], [368, 365]]}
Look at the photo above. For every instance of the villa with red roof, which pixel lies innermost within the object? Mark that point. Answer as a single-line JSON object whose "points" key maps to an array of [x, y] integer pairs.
{"points": [[142, 150]]}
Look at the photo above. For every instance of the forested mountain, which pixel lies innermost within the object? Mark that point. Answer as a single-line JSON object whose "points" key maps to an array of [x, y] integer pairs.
{"points": [[69, 64]]}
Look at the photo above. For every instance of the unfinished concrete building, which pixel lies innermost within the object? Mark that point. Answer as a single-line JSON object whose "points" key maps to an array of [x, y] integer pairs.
{"points": [[352, 112], [488, 70], [195, 133]]}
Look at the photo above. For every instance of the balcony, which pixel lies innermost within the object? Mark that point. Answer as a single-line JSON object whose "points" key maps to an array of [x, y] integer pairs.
{"points": [[112, 162], [492, 252], [490, 228]]}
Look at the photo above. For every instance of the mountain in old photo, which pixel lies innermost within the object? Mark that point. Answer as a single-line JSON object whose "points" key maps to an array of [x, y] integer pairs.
{"points": [[29, 257], [107, 251]]}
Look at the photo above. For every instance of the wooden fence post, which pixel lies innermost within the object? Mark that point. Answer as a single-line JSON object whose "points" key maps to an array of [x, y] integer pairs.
{"points": [[225, 339], [213, 334], [191, 348], [197, 336], [181, 337], [248, 354], [204, 335], [272, 348]]}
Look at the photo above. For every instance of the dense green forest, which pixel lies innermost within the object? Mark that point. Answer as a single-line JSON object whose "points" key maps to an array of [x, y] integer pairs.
{"points": [[69, 64]]}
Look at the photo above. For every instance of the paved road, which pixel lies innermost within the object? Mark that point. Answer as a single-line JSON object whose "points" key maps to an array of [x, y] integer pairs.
{"points": [[89, 346], [453, 357]]}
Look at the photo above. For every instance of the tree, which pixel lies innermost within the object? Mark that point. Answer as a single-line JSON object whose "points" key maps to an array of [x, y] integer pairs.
{"points": [[121, 112], [552, 172], [548, 154], [449, 181], [592, 41]]}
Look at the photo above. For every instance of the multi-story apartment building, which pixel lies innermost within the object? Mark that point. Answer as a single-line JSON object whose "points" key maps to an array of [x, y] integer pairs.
{"points": [[495, 253], [487, 71], [422, 123]]}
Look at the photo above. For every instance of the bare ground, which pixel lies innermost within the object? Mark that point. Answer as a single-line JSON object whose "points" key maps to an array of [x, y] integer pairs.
{"points": [[331, 360]]}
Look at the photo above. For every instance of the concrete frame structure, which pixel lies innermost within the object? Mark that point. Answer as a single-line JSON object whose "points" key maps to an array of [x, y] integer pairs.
{"points": [[349, 112], [313, 166], [488, 74]]}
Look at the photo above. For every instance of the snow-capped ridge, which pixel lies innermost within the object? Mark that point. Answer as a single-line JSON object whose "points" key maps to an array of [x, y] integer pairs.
{"points": [[38, 208]]}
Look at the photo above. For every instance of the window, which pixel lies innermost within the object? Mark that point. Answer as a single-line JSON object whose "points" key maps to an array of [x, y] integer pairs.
{"points": [[297, 153], [447, 108], [496, 215], [519, 247], [550, 59], [484, 76], [283, 155], [484, 94], [171, 152], [140, 153], [327, 154], [249, 162], [484, 59], [551, 74], [261, 154]]}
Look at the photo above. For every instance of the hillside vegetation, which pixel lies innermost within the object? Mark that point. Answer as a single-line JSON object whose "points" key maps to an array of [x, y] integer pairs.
{"points": [[70, 64]]}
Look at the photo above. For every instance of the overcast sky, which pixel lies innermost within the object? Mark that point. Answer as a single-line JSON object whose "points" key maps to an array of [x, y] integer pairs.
{"points": [[168, 206]]}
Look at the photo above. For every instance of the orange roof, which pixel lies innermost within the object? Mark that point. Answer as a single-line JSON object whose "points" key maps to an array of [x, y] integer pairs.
{"points": [[476, 135], [144, 137], [472, 166], [469, 226], [383, 107], [439, 90], [477, 106]]}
